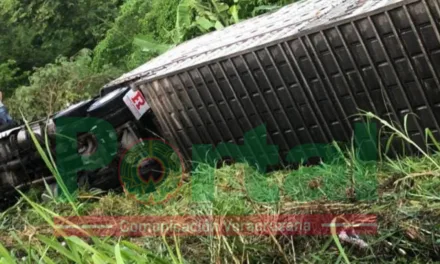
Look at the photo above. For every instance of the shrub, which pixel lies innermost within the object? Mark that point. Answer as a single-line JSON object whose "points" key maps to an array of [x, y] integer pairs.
{"points": [[55, 86], [10, 77], [154, 19], [36, 32]]}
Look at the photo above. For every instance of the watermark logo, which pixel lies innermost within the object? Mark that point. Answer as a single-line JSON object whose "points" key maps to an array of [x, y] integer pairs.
{"points": [[151, 171], [259, 154], [252, 225]]}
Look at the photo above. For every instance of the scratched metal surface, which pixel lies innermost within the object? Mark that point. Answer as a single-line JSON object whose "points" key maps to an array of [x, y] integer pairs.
{"points": [[305, 77]]}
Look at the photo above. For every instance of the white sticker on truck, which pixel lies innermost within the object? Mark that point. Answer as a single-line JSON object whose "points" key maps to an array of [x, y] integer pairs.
{"points": [[137, 104]]}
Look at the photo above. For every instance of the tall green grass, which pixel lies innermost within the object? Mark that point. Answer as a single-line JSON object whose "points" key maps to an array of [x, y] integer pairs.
{"points": [[49, 161], [407, 204]]}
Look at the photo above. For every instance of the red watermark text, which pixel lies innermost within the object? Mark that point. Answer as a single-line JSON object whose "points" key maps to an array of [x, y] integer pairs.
{"points": [[292, 225]]}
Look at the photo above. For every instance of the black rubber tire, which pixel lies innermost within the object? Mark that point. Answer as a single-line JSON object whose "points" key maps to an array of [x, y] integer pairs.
{"points": [[76, 110], [118, 117], [108, 104]]}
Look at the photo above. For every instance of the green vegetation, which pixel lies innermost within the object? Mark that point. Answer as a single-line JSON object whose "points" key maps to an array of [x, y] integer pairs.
{"points": [[53, 53], [44, 40], [56, 85], [36, 32], [406, 202], [408, 209]]}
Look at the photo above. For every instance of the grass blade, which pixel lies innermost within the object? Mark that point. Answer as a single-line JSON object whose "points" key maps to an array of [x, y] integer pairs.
{"points": [[58, 247], [6, 257], [337, 242], [118, 255], [51, 166]]}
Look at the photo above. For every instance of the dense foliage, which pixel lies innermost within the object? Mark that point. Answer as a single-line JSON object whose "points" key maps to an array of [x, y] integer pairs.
{"points": [[42, 42], [38, 31], [56, 85]]}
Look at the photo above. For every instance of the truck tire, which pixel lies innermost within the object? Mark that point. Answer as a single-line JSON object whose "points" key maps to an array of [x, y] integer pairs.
{"points": [[76, 110], [111, 107], [108, 103]]}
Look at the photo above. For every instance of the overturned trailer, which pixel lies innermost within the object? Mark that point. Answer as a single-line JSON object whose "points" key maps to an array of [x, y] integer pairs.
{"points": [[306, 71]]}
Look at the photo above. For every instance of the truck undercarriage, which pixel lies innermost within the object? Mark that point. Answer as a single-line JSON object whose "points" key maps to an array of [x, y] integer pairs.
{"points": [[22, 165]]}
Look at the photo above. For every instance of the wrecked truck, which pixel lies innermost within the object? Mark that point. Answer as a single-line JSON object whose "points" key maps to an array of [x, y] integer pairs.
{"points": [[305, 71]]}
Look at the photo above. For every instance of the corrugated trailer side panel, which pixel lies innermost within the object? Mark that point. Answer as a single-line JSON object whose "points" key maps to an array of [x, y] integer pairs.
{"points": [[310, 88]]}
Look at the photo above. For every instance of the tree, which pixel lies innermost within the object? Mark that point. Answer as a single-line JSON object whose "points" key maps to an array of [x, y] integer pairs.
{"points": [[197, 17], [56, 85], [151, 19], [35, 32], [10, 77]]}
